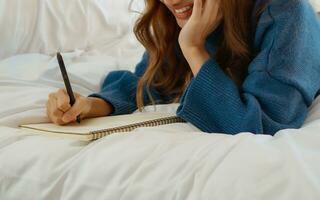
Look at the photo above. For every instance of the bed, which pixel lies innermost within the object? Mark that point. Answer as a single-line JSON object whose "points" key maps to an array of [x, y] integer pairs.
{"points": [[175, 161]]}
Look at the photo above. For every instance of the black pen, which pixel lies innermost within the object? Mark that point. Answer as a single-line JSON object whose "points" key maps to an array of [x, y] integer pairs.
{"points": [[67, 82]]}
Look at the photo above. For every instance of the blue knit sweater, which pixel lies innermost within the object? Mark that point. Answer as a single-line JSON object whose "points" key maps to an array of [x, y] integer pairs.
{"points": [[283, 79]]}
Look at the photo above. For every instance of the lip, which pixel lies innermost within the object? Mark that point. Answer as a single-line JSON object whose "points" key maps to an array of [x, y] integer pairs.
{"points": [[184, 15]]}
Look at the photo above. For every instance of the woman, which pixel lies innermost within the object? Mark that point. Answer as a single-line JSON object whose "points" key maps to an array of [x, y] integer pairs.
{"points": [[234, 66]]}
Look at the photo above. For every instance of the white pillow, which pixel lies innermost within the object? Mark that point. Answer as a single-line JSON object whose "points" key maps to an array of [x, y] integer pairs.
{"points": [[48, 26]]}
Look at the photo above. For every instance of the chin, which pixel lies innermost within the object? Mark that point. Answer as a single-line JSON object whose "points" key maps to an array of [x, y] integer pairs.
{"points": [[181, 23]]}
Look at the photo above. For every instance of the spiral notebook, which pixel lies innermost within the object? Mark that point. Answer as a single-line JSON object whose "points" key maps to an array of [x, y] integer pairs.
{"points": [[95, 128]]}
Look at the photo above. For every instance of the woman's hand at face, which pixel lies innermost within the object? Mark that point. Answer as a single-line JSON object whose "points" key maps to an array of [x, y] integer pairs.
{"points": [[205, 18]]}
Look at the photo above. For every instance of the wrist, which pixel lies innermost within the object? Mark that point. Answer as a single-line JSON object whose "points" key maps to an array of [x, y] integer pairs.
{"points": [[97, 107], [193, 50], [196, 57], [192, 46]]}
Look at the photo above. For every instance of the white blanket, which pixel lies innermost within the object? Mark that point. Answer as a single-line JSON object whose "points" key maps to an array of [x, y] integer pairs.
{"points": [[167, 162]]}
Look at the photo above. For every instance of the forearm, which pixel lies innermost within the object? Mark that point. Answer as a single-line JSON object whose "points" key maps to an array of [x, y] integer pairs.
{"points": [[98, 108]]}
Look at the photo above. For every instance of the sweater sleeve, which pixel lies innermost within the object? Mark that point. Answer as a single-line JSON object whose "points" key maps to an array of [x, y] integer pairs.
{"points": [[281, 81], [119, 89]]}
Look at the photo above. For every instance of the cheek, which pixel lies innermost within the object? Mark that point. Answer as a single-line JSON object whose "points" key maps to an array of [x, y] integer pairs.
{"points": [[166, 5], [180, 22]]}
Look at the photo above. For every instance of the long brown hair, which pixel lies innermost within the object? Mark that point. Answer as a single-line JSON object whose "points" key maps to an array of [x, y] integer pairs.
{"points": [[168, 71]]}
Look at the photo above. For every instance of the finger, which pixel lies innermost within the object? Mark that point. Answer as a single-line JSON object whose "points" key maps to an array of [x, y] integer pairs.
{"points": [[54, 114], [212, 14], [211, 8], [197, 8], [63, 100], [52, 96], [54, 109], [75, 110], [48, 105]]}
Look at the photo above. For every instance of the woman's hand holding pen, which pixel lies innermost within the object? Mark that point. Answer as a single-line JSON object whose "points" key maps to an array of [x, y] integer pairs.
{"points": [[205, 18], [61, 112]]}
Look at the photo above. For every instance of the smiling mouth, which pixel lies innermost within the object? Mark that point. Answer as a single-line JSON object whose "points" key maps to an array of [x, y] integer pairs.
{"points": [[184, 12]]}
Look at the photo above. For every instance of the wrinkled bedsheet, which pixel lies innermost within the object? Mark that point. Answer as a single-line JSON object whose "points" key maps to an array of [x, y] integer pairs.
{"points": [[174, 161]]}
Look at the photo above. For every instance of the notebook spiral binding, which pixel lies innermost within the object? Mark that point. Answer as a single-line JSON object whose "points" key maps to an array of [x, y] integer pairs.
{"points": [[127, 128]]}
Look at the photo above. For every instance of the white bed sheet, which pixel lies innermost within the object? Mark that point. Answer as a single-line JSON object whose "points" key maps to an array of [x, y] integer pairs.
{"points": [[168, 162]]}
